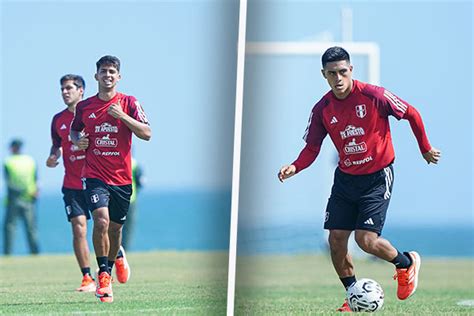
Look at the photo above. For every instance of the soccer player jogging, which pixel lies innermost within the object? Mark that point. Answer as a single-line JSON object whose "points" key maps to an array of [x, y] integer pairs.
{"points": [[355, 115], [103, 127], [72, 91]]}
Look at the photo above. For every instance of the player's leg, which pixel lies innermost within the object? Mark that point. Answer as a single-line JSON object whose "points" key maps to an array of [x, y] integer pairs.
{"points": [[77, 214], [97, 197], [372, 213], [340, 219], [81, 251], [119, 207]]}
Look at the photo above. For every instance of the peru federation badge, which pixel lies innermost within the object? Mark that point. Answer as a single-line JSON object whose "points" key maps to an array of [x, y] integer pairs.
{"points": [[361, 110]]}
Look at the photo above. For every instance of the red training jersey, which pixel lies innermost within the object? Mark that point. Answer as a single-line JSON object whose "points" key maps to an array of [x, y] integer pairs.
{"points": [[108, 157], [359, 127], [73, 158]]}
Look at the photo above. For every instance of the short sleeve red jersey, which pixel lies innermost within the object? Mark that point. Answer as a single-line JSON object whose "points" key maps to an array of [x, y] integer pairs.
{"points": [[108, 156], [73, 158], [358, 126]]}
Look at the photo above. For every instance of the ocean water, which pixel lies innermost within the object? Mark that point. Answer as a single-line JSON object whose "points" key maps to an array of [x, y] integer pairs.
{"points": [[430, 241], [200, 221], [182, 220]]}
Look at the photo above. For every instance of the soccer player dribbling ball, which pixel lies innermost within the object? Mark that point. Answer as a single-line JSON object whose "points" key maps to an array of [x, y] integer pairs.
{"points": [[355, 115], [103, 126]]}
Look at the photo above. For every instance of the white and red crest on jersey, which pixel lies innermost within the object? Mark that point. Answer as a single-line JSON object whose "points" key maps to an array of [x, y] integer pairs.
{"points": [[361, 111]]}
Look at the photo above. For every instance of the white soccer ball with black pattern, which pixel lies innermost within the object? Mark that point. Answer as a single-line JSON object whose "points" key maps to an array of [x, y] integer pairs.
{"points": [[365, 295]]}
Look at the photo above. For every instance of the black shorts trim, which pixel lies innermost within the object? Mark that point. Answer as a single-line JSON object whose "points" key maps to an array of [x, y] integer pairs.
{"points": [[75, 203], [115, 197], [359, 201]]}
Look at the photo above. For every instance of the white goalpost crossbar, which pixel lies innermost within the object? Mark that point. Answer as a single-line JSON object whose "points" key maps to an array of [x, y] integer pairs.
{"points": [[369, 49]]}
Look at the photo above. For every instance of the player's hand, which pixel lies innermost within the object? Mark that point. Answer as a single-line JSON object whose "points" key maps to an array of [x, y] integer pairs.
{"points": [[432, 156], [115, 110], [83, 142], [52, 161], [286, 172]]}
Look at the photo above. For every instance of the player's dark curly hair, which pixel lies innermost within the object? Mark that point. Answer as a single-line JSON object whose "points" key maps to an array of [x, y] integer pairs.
{"points": [[335, 53], [109, 61], [77, 80]]}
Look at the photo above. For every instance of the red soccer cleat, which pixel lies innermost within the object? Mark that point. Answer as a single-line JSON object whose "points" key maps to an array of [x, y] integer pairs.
{"points": [[104, 288], [122, 269], [87, 285], [344, 308], [408, 277]]}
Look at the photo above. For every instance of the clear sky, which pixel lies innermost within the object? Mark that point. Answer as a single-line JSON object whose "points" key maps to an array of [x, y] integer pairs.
{"points": [[178, 58], [426, 59]]}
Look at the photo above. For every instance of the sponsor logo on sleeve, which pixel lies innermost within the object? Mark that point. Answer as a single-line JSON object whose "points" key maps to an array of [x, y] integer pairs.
{"points": [[353, 147], [361, 110], [63, 126], [351, 131]]}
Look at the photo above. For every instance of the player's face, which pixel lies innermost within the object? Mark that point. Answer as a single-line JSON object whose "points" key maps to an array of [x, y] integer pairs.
{"points": [[70, 93], [339, 76], [107, 76]]}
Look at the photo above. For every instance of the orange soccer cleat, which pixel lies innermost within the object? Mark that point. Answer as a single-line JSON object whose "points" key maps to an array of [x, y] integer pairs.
{"points": [[104, 288], [87, 285], [408, 277], [122, 269], [344, 308]]}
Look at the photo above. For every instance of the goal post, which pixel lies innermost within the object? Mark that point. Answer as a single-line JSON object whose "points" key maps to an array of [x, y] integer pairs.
{"points": [[369, 49]]}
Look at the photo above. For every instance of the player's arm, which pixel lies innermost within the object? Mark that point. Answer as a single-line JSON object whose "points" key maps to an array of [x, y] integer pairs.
{"points": [[314, 136], [306, 157], [430, 154], [400, 109], [76, 134], [54, 155], [55, 151], [141, 130]]}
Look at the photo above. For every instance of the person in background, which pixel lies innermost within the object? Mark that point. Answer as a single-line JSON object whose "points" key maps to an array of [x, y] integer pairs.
{"points": [[21, 177], [72, 91], [137, 184]]}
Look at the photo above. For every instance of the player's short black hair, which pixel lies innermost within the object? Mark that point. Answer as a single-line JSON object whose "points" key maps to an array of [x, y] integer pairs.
{"points": [[108, 60], [77, 80], [335, 53]]}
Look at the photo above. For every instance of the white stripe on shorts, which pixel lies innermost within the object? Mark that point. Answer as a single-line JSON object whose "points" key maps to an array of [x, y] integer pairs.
{"points": [[388, 182]]}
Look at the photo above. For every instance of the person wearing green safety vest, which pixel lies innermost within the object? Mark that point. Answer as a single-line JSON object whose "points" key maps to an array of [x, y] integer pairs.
{"points": [[137, 183], [22, 191]]}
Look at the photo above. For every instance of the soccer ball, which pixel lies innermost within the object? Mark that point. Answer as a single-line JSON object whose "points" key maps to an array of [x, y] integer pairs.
{"points": [[365, 295]]}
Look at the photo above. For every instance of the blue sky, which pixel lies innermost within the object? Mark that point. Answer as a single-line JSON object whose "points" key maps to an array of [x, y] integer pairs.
{"points": [[426, 59], [178, 58]]}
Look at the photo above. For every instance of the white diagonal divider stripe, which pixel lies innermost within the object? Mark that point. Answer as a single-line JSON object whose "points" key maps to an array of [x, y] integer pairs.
{"points": [[239, 100], [395, 101]]}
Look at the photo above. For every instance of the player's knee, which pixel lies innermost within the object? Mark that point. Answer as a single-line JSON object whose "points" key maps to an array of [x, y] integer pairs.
{"points": [[79, 230], [101, 224], [366, 241], [337, 240]]}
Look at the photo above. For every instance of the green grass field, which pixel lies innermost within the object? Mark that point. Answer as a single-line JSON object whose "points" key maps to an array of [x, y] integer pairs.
{"points": [[308, 285], [161, 283]]}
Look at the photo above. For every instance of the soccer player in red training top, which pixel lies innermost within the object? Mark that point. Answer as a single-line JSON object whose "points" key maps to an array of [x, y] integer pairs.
{"points": [[103, 126], [355, 115], [72, 90]]}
